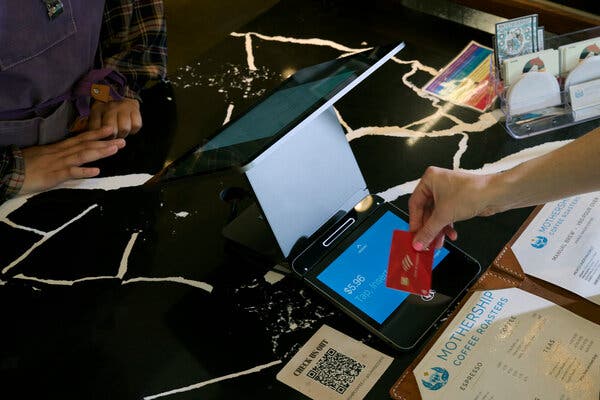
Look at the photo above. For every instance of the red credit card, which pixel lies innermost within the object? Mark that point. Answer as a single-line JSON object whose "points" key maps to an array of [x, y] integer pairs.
{"points": [[409, 270]]}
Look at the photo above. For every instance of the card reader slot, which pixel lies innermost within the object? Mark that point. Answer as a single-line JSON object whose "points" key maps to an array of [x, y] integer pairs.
{"points": [[347, 224]]}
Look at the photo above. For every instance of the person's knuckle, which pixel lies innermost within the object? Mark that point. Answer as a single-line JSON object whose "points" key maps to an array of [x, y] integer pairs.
{"points": [[412, 202], [432, 169], [81, 156]]}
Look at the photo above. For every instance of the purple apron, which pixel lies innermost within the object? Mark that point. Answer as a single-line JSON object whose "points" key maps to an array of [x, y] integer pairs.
{"points": [[40, 61]]}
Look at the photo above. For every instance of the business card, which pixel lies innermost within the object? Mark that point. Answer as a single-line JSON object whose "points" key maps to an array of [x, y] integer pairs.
{"points": [[585, 94]]}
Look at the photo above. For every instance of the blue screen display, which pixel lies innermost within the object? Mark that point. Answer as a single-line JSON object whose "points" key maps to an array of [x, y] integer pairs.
{"points": [[359, 273]]}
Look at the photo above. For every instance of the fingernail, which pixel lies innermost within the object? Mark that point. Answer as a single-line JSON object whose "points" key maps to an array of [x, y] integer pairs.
{"points": [[418, 246]]}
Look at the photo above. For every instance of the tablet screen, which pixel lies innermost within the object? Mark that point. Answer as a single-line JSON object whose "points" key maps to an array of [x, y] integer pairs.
{"points": [[358, 274]]}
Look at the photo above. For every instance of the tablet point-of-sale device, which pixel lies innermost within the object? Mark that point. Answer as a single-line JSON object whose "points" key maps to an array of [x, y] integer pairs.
{"points": [[348, 265], [313, 200]]}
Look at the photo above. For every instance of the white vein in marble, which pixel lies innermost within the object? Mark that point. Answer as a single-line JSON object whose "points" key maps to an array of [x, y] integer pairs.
{"points": [[228, 115], [273, 277], [214, 380], [45, 237], [122, 270]]}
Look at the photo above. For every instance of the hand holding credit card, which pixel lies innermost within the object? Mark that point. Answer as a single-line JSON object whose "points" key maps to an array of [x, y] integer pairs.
{"points": [[408, 270]]}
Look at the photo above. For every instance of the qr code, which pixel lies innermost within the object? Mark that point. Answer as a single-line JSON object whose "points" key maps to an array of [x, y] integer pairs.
{"points": [[336, 370]]}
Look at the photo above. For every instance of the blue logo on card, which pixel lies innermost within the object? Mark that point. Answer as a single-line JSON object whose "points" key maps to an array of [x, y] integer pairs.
{"points": [[435, 378], [539, 241]]}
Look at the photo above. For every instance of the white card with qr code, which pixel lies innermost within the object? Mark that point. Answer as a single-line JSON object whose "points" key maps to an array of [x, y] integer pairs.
{"points": [[333, 366]]}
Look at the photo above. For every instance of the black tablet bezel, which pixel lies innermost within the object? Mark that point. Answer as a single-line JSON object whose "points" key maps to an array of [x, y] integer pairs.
{"points": [[416, 315]]}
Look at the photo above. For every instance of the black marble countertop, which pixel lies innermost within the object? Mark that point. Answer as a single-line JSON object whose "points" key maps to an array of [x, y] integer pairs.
{"points": [[113, 290]]}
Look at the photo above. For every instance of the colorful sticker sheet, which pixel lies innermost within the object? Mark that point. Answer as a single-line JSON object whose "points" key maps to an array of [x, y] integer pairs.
{"points": [[468, 80]]}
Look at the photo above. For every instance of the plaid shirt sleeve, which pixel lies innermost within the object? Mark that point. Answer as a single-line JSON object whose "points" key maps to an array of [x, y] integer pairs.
{"points": [[12, 172], [133, 41]]}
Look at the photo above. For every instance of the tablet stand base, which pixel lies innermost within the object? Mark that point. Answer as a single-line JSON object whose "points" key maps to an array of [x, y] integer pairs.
{"points": [[250, 231]]}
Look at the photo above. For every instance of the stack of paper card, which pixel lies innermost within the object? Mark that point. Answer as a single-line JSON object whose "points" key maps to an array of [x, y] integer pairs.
{"points": [[517, 37], [583, 87], [574, 53], [545, 60], [585, 99]]}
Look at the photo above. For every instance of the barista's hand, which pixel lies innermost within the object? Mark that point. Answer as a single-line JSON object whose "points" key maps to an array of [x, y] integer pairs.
{"points": [[122, 115], [49, 165]]}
